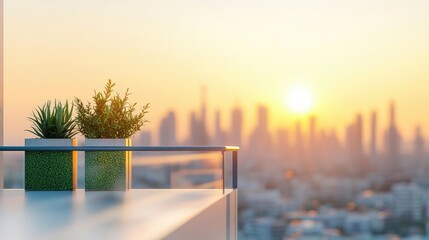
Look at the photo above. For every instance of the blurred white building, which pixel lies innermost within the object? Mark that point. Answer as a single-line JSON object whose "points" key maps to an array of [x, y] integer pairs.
{"points": [[269, 202], [375, 200], [264, 228], [363, 223], [408, 201], [304, 229]]}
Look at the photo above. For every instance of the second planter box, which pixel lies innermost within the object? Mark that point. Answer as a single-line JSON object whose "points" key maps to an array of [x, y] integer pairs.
{"points": [[107, 170]]}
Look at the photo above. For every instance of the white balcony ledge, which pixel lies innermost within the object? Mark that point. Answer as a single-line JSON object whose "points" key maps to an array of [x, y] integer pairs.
{"points": [[135, 214]]}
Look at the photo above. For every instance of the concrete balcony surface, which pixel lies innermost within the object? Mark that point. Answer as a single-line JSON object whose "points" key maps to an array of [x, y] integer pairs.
{"points": [[135, 214]]}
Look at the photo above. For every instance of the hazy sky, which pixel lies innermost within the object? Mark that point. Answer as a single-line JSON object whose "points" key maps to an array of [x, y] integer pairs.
{"points": [[355, 56]]}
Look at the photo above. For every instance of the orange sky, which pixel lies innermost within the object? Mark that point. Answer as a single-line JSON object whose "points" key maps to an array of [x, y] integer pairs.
{"points": [[354, 56]]}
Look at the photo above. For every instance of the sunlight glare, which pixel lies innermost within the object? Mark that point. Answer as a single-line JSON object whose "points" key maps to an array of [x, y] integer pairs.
{"points": [[299, 100]]}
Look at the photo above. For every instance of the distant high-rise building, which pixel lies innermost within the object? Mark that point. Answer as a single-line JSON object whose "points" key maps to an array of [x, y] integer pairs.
{"points": [[392, 142], [203, 117], [167, 130], [236, 127], [299, 139], [359, 133], [283, 148], [219, 135], [193, 129], [373, 140], [262, 123], [312, 127], [198, 126], [354, 143], [334, 151], [419, 158], [203, 135], [334, 141], [218, 128], [360, 160], [283, 139], [350, 137], [260, 142], [350, 147], [418, 142], [145, 139], [313, 148], [299, 148], [330, 152]]}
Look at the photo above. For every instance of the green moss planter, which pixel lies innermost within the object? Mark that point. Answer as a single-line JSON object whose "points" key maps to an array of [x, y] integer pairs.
{"points": [[109, 170], [51, 171]]}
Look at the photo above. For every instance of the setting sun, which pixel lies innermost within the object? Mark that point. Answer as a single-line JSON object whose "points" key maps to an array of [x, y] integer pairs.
{"points": [[299, 100]]}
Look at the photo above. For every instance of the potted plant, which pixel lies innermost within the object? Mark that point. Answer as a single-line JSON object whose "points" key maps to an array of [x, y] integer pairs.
{"points": [[109, 121], [55, 170]]}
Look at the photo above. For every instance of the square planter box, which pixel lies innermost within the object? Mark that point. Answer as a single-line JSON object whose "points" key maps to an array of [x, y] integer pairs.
{"points": [[107, 170], [51, 171]]}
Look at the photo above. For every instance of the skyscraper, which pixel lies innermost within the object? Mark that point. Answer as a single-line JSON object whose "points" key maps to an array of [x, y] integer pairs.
{"points": [[354, 143], [145, 138], [203, 135], [299, 150], [236, 127], [219, 134], [198, 126], [203, 117], [418, 142], [392, 142], [260, 140], [262, 116], [283, 145], [420, 166], [333, 153], [373, 140], [167, 130], [313, 148], [193, 129], [359, 157], [350, 137]]}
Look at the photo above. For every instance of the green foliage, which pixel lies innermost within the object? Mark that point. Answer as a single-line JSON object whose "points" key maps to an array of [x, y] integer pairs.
{"points": [[111, 116], [56, 122]]}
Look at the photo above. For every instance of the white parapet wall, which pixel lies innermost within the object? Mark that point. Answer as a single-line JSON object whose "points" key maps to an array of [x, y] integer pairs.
{"points": [[135, 214], [218, 221]]}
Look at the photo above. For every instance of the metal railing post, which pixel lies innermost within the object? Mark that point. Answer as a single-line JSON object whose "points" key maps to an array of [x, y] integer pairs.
{"points": [[234, 169], [223, 172]]}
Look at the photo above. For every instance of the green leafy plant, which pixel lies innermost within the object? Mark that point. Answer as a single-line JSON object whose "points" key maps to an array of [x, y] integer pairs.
{"points": [[111, 116], [56, 122]]}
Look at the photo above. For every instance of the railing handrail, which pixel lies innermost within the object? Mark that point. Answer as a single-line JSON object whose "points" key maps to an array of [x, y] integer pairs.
{"points": [[123, 148], [233, 149]]}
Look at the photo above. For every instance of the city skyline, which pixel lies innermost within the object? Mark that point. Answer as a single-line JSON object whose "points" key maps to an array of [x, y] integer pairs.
{"points": [[254, 54], [370, 132]]}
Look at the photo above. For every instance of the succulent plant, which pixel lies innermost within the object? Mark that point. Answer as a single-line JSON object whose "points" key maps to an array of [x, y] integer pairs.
{"points": [[55, 122], [111, 116]]}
